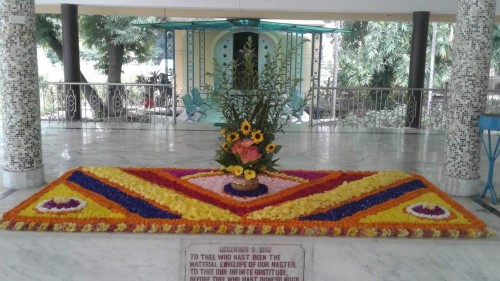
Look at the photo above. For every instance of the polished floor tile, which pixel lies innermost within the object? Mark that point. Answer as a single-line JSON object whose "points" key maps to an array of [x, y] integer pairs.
{"points": [[81, 256]]}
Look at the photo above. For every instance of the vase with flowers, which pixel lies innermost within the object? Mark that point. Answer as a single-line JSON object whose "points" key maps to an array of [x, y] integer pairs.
{"points": [[253, 104]]}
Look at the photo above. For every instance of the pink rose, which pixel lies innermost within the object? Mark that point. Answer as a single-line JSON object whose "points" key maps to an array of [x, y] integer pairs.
{"points": [[246, 143], [246, 151]]}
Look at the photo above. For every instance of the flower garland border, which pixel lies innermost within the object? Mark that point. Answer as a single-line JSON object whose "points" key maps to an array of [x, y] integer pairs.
{"points": [[135, 224], [268, 228]]}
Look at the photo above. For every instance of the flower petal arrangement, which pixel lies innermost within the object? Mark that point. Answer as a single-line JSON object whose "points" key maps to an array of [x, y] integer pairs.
{"points": [[308, 203]]}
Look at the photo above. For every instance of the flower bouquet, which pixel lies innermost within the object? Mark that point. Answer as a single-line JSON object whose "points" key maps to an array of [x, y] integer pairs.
{"points": [[253, 105], [245, 153]]}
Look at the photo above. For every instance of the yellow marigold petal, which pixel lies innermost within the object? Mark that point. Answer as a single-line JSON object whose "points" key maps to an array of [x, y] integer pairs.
{"points": [[180, 228], [195, 229], [32, 226], [386, 233], [167, 228], [18, 225], [43, 227], [266, 229], [174, 200], [87, 228], [101, 227], [370, 232], [238, 229], [419, 233], [250, 229], [306, 205], [280, 230], [120, 227], [337, 231], [352, 231], [323, 231], [222, 229], [403, 233], [4, 225], [139, 228]]}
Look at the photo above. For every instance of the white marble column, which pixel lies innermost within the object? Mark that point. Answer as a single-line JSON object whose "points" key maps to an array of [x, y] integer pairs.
{"points": [[23, 165], [467, 97]]}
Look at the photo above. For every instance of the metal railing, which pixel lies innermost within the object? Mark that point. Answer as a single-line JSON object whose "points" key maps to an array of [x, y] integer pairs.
{"points": [[107, 102], [384, 107], [339, 106]]}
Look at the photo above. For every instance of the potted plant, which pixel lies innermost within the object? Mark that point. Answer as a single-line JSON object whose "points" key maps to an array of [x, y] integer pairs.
{"points": [[254, 112]]}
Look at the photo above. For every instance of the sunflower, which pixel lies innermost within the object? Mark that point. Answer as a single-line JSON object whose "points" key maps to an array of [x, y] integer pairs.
{"points": [[249, 174], [232, 137], [224, 146], [223, 131], [257, 136], [270, 147], [246, 127]]}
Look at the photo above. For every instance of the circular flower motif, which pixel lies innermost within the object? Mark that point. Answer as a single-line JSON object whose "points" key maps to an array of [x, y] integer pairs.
{"points": [[232, 137], [270, 147], [61, 204], [216, 183], [428, 210], [257, 136], [246, 127]]}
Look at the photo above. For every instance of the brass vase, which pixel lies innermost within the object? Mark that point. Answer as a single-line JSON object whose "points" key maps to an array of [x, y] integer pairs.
{"points": [[241, 184]]}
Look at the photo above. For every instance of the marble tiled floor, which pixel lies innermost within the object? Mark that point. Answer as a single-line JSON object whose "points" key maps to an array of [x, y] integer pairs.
{"points": [[63, 256]]}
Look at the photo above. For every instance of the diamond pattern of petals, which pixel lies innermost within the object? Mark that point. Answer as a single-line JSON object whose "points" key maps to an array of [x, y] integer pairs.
{"points": [[299, 202]]}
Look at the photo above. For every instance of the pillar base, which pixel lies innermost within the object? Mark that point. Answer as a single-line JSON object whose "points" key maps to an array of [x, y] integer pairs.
{"points": [[459, 187], [24, 179]]}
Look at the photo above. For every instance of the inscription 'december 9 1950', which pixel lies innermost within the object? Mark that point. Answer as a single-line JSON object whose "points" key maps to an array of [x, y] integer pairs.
{"points": [[244, 262]]}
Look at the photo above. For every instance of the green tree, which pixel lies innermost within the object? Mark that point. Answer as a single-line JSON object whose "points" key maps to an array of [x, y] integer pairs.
{"points": [[443, 55], [48, 35], [377, 54], [115, 39]]}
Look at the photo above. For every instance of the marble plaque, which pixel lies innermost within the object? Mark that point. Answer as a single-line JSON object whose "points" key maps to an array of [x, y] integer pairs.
{"points": [[243, 262]]}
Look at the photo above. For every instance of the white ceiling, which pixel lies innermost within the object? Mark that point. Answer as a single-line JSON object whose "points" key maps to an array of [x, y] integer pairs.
{"points": [[441, 10]]}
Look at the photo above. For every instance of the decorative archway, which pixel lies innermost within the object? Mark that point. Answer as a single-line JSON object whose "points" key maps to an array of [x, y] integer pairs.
{"points": [[227, 47]]}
